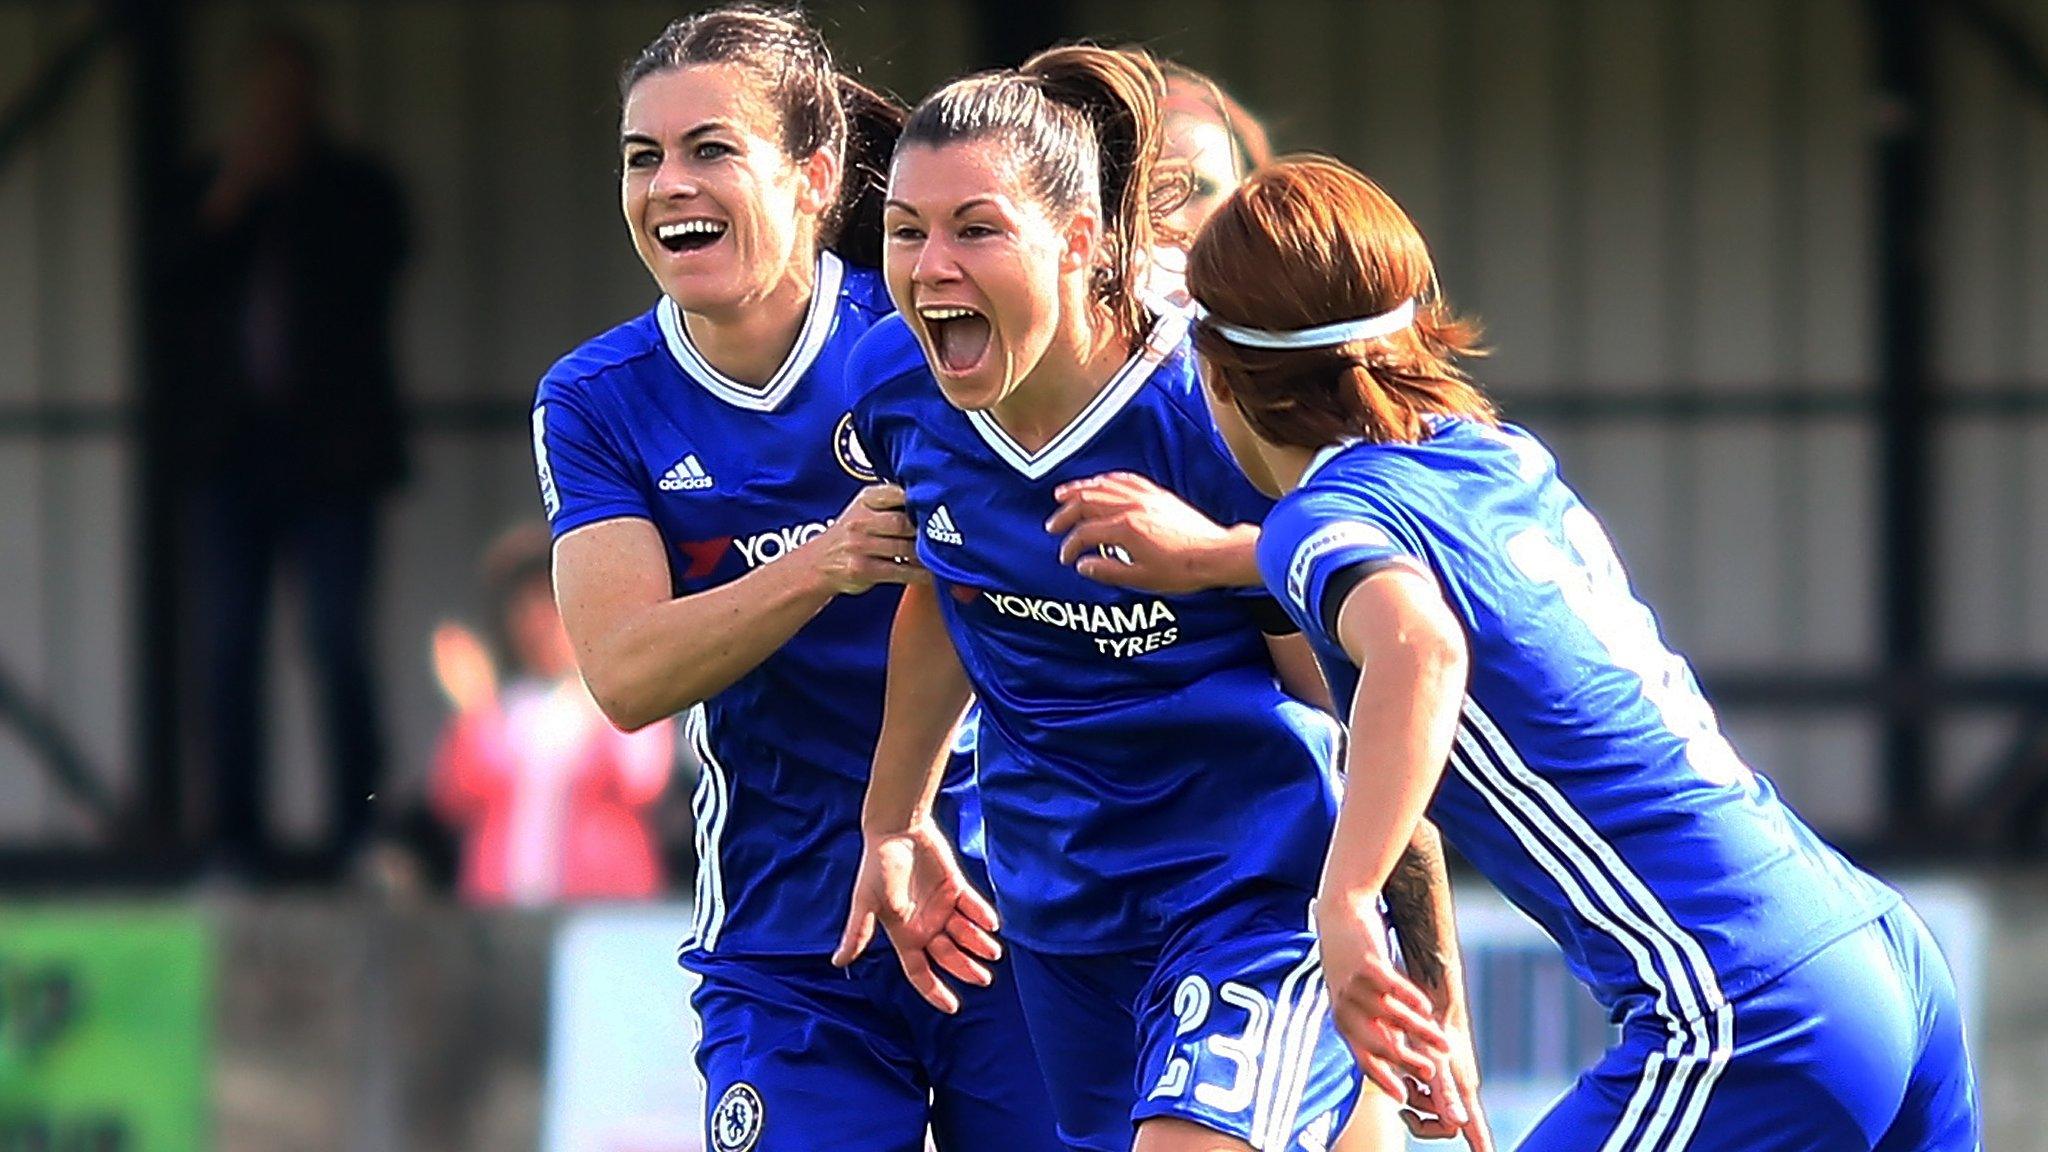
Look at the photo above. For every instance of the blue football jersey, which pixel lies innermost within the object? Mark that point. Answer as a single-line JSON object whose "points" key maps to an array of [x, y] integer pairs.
{"points": [[1138, 760], [1590, 780], [636, 423]]}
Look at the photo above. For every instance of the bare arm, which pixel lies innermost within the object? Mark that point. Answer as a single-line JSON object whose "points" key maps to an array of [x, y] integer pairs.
{"points": [[927, 691], [1411, 653], [1412, 657], [1295, 662], [910, 885], [647, 654], [1419, 904]]}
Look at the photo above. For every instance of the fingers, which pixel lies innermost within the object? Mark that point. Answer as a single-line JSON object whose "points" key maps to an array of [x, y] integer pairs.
{"points": [[1446, 1098], [973, 938], [928, 985], [1089, 536], [1426, 1127], [881, 497], [860, 930], [1081, 500], [957, 964], [1382, 1075], [1478, 1133], [1104, 484], [1115, 573], [1374, 1039], [976, 907]]}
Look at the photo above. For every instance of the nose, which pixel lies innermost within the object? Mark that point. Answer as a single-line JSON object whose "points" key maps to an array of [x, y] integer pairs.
{"points": [[671, 181], [935, 264]]}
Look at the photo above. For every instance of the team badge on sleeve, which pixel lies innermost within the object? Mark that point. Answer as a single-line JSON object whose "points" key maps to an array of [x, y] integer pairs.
{"points": [[1321, 542], [852, 456], [736, 1122]]}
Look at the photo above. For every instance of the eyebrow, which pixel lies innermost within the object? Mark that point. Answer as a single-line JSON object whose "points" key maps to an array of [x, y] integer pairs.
{"points": [[964, 208], [703, 129]]}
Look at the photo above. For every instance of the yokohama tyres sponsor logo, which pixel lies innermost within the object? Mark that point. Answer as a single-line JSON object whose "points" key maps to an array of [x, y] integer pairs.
{"points": [[1121, 630]]}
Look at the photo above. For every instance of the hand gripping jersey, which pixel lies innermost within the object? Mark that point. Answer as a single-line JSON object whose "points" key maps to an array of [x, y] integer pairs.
{"points": [[1590, 780], [1138, 761], [635, 423]]}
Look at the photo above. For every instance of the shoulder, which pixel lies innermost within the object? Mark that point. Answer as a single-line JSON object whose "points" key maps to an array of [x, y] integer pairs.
{"points": [[887, 355], [863, 296], [603, 359]]}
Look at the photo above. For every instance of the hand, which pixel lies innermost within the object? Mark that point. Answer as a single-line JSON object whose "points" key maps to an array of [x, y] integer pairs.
{"points": [[1389, 1023], [463, 667], [1431, 1110], [872, 542], [911, 885], [1121, 528]]}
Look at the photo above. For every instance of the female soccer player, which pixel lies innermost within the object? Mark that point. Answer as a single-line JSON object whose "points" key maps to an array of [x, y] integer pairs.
{"points": [[1156, 805], [720, 542], [1471, 610]]}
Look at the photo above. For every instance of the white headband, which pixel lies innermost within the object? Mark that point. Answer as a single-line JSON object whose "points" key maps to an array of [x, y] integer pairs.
{"points": [[1322, 336]]}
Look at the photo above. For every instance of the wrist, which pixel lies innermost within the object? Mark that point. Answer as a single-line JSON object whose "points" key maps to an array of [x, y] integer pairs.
{"points": [[882, 825], [1229, 559]]}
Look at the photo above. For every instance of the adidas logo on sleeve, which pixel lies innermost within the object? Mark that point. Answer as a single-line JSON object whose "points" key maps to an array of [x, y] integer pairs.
{"points": [[686, 475], [940, 527]]}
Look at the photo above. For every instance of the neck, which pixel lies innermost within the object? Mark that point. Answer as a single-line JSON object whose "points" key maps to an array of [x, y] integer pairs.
{"points": [[1285, 464], [1074, 370], [750, 340]]}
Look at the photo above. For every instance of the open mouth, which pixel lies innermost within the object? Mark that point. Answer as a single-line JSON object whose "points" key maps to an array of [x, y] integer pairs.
{"points": [[689, 235], [960, 336]]}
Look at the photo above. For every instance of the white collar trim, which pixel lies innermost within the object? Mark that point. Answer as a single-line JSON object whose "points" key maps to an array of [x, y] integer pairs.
{"points": [[810, 340], [1165, 336], [1326, 454]]}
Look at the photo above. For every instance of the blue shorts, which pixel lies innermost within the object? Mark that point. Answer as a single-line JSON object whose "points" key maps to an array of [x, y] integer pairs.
{"points": [[1227, 1025], [798, 1055], [1858, 1049]]}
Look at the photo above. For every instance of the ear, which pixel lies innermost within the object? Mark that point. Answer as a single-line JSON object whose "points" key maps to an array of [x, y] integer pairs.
{"points": [[1081, 241], [818, 186]]}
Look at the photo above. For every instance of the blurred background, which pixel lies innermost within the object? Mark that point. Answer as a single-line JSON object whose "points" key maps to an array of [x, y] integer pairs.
{"points": [[1772, 278]]}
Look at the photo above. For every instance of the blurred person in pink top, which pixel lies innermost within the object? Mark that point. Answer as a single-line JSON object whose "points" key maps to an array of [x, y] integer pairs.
{"points": [[551, 801]]}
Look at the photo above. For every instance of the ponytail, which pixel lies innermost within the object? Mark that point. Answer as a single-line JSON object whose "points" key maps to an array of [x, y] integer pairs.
{"points": [[873, 122]]}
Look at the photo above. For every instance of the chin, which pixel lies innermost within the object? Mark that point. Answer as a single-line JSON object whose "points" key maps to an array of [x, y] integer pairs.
{"points": [[969, 393], [702, 293]]}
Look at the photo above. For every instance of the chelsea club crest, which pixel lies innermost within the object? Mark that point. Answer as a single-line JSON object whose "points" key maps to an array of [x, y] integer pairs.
{"points": [[736, 1122], [846, 448]]}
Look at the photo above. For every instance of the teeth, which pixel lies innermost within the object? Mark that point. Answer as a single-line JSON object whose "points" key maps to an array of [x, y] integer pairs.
{"points": [[689, 228], [947, 313]]}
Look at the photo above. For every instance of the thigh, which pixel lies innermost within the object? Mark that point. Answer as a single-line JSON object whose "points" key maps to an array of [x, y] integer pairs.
{"points": [[795, 1057], [988, 1093], [1236, 1036], [1078, 1011]]}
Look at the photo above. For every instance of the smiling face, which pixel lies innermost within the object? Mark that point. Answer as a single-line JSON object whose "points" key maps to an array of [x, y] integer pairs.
{"points": [[982, 272], [719, 214]]}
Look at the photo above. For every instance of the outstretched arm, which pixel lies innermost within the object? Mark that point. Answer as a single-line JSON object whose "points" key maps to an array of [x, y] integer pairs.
{"points": [[910, 884]]}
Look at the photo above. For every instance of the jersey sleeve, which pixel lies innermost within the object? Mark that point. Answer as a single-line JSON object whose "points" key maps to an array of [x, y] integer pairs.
{"points": [[887, 351], [1315, 551], [583, 471]]}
